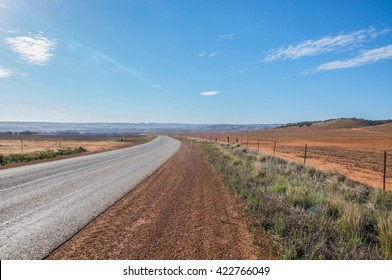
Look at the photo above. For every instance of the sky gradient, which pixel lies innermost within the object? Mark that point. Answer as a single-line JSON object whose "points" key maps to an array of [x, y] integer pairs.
{"points": [[195, 61]]}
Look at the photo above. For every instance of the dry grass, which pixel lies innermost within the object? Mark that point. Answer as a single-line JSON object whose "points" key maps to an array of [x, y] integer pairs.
{"points": [[314, 214]]}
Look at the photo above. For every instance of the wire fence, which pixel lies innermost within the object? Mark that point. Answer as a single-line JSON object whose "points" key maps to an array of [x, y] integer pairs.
{"points": [[367, 165]]}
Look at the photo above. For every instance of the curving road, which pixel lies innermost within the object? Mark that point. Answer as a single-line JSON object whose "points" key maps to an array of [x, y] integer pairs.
{"points": [[43, 205]]}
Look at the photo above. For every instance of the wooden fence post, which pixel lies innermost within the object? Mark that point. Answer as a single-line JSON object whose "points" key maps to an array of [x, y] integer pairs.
{"points": [[385, 170], [274, 147], [228, 139], [306, 149], [258, 145]]}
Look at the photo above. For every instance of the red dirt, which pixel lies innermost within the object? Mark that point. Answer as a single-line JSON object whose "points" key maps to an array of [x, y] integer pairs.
{"points": [[355, 152], [182, 211]]}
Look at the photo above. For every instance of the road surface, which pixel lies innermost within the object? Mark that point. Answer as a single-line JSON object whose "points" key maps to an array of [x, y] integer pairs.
{"points": [[43, 205]]}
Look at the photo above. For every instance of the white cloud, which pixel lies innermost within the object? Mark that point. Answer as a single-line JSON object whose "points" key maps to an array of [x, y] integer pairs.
{"points": [[210, 93], [365, 57], [243, 70], [35, 50], [325, 44], [209, 54], [230, 36], [5, 73], [156, 86]]}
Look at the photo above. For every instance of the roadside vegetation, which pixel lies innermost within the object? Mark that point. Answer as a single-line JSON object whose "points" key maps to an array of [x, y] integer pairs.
{"points": [[27, 157], [313, 214]]}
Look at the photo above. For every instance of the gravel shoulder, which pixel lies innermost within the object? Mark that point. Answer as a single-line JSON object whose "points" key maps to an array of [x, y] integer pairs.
{"points": [[182, 211]]}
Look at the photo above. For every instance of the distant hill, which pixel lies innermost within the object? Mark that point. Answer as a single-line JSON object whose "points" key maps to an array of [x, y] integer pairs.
{"points": [[122, 128], [381, 128], [341, 123]]}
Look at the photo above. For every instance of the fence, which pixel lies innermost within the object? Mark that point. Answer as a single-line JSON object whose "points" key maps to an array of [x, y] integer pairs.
{"points": [[367, 166]]}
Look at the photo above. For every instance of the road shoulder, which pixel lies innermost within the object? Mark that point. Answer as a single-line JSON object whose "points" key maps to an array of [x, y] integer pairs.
{"points": [[182, 211]]}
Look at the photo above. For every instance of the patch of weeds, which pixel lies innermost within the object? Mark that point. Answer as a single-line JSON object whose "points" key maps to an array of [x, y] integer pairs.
{"points": [[382, 200], [304, 197], [24, 158], [385, 229]]}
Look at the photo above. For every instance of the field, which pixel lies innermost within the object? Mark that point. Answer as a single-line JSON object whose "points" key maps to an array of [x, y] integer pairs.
{"points": [[21, 149], [351, 149]]}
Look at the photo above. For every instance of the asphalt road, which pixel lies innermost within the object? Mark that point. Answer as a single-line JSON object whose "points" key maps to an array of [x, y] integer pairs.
{"points": [[43, 205]]}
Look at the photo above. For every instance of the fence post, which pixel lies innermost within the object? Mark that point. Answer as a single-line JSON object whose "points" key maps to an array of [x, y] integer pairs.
{"points": [[228, 139], [258, 145], [274, 147], [385, 170], [306, 149]]}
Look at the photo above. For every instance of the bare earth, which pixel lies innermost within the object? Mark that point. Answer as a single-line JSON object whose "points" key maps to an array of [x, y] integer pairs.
{"points": [[182, 211], [356, 152]]}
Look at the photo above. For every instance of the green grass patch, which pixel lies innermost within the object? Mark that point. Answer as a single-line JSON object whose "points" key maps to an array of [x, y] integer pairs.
{"points": [[24, 158]]}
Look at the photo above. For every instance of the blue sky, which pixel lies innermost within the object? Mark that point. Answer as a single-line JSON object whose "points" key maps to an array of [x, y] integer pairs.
{"points": [[199, 61]]}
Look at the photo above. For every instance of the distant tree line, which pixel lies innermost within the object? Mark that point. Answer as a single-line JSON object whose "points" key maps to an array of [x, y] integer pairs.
{"points": [[27, 132], [308, 123]]}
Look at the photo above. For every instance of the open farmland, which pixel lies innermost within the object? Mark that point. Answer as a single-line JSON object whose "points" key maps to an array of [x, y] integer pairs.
{"points": [[17, 144], [346, 146], [17, 150]]}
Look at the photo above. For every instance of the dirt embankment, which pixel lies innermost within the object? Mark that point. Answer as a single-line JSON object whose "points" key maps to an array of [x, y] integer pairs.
{"points": [[182, 211]]}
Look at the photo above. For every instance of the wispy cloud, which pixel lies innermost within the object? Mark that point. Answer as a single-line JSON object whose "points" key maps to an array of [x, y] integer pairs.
{"points": [[210, 93], [243, 70], [325, 44], [97, 57], [209, 54], [73, 45], [156, 86], [229, 36], [365, 57], [35, 50], [5, 73]]}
